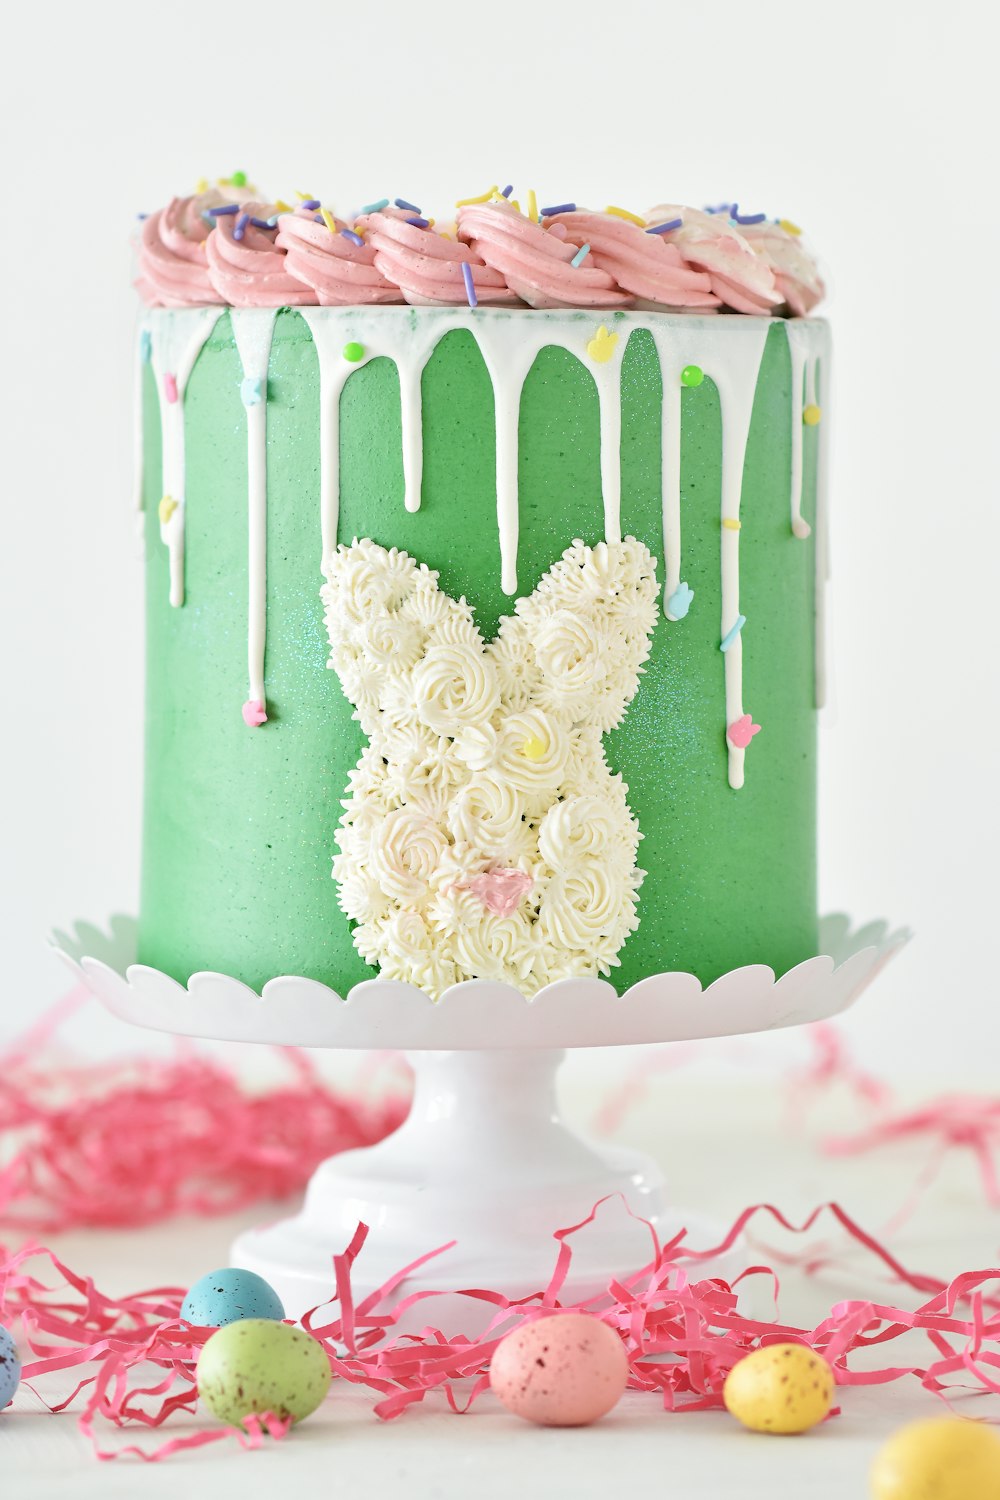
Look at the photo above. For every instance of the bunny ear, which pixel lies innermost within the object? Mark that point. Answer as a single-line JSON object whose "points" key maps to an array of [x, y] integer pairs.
{"points": [[576, 646]]}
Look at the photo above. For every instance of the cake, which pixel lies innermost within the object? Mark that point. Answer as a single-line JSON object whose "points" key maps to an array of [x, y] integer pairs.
{"points": [[483, 567]]}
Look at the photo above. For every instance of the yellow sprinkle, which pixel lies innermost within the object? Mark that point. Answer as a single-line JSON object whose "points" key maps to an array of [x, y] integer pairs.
{"points": [[482, 198], [811, 415], [730, 524], [623, 213], [329, 220], [788, 226], [282, 206], [166, 508], [431, 223], [533, 748], [302, 196], [532, 206], [201, 186], [514, 204], [602, 345]]}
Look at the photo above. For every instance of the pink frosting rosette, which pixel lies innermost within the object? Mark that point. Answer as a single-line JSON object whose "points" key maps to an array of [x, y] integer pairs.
{"points": [[741, 279], [173, 270], [245, 266], [338, 270], [653, 271], [426, 265], [536, 260], [795, 272]]}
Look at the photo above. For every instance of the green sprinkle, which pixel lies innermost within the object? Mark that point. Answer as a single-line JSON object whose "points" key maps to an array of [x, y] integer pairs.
{"points": [[354, 352], [692, 375], [239, 179]]}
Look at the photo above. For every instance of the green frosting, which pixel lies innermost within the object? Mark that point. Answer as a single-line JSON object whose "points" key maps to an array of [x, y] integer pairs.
{"points": [[239, 824]]}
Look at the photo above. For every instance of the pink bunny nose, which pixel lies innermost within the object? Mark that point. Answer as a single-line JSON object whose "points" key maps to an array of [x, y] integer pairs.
{"points": [[501, 890]]}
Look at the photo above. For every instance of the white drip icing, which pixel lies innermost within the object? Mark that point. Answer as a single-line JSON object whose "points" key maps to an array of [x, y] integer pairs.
{"points": [[809, 347], [822, 510], [143, 349], [178, 336], [253, 329]]}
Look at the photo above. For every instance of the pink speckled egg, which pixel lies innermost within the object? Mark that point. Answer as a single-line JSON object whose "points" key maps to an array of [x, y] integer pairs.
{"points": [[562, 1371]]}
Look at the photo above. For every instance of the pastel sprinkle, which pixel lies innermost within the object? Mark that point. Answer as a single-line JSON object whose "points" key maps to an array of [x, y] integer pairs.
{"points": [[470, 285], [680, 601], [264, 223], [738, 218], [240, 227], [145, 346], [251, 390], [602, 345], [480, 198], [354, 352], [506, 192], [532, 206], [303, 196], [201, 186], [419, 223], [355, 239], [328, 220], [666, 227], [533, 748], [731, 635], [741, 732], [239, 179], [142, 216], [788, 226], [166, 508], [811, 415], [376, 207], [253, 713], [558, 208], [580, 256], [410, 207], [170, 387], [731, 524], [282, 206], [623, 213], [692, 375], [310, 204], [226, 208]]}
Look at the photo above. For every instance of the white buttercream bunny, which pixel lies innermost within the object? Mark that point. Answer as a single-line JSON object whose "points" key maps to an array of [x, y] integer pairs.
{"points": [[484, 835]]}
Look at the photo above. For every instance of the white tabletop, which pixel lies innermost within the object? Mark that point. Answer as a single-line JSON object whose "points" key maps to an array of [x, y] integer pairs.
{"points": [[724, 1144]]}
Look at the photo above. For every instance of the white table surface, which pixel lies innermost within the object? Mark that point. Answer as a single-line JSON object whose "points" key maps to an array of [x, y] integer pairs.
{"points": [[725, 1142]]}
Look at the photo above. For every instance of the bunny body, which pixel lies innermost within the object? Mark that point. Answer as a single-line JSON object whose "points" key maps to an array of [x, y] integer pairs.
{"points": [[484, 834]]}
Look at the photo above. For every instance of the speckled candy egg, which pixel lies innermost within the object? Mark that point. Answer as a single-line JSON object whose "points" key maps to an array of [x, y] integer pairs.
{"points": [[943, 1458], [229, 1295], [562, 1371], [781, 1388], [10, 1368], [258, 1365]]}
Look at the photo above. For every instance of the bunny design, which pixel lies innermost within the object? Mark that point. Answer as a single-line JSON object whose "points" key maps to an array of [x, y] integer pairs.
{"points": [[484, 834]]}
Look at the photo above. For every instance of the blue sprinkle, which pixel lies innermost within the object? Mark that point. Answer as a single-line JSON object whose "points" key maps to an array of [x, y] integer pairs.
{"points": [[680, 601], [374, 208], [264, 223], [309, 204], [227, 208], [319, 218], [580, 256], [251, 390], [142, 216], [402, 203], [506, 192], [271, 222], [419, 223], [355, 239], [240, 227], [470, 285], [145, 346], [207, 216], [665, 228], [730, 636], [558, 208], [720, 208], [738, 218]]}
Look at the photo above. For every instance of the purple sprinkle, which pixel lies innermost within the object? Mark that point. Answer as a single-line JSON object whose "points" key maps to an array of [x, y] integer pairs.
{"points": [[142, 216], [309, 204], [506, 192], [665, 228], [227, 208], [738, 218], [262, 223], [319, 218], [402, 203], [349, 234], [419, 223], [470, 285], [240, 227], [559, 208]]}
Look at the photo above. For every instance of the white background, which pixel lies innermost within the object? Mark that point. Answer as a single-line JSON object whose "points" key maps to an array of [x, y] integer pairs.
{"points": [[868, 125]]}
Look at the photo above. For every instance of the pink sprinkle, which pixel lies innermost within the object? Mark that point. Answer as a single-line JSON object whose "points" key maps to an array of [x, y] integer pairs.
{"points": [[742, 731], [253, 713], [170, 386], [501, 890]]}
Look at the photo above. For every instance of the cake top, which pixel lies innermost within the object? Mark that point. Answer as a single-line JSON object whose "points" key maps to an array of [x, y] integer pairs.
{"points": [[228, 244]]}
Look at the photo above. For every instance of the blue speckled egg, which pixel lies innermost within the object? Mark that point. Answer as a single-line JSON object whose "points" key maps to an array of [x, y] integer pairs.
{"points": [[229, 1296], [10, 1368]]}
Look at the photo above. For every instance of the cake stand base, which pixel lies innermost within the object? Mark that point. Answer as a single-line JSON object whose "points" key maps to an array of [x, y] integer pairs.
{"points": [[483, 1159]]}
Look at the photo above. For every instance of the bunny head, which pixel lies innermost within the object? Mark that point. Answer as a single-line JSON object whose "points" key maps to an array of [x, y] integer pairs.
{"points": [[484, 835]]}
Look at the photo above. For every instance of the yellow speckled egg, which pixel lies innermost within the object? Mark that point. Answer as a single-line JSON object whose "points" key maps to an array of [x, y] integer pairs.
{"points": [[782, 1388], [942, 1458]]}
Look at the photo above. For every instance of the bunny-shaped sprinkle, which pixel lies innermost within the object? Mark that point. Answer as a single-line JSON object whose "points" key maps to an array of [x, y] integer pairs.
{"points": [[484, 835]]}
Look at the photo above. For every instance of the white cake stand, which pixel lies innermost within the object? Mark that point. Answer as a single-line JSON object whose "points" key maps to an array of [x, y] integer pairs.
{"points": [[483, 1158]]}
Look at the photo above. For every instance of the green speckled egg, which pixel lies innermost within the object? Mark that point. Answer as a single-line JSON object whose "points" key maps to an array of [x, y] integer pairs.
{"points": [[257, 1365]]}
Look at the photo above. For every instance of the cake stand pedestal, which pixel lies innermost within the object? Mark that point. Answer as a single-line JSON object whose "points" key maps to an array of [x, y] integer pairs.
{"points": [[483, 1158]]}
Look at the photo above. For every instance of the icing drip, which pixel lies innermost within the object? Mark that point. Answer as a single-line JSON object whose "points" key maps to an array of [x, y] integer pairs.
{"points": [[809, 347], [252, 330], [143, 352], [178, 337]]}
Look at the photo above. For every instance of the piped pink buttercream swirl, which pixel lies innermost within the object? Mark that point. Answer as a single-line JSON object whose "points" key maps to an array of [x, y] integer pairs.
{"points": [[427, 266], [742, 280], [339, 271], [251, 271], [536, 261], [641, 263], [795, 272], [173, 270]]}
